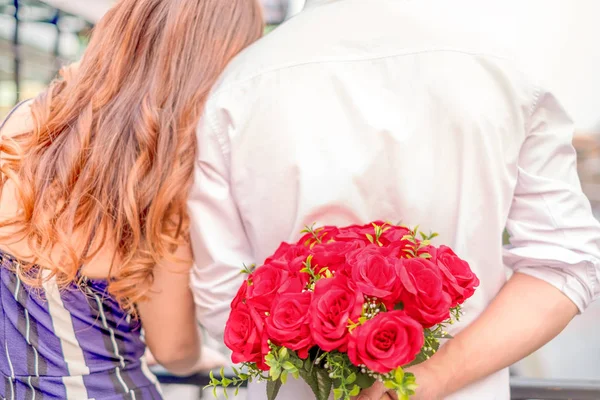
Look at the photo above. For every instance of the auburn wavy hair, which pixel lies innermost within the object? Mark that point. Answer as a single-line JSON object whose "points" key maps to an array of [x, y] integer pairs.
{"points": [[112, 153]]}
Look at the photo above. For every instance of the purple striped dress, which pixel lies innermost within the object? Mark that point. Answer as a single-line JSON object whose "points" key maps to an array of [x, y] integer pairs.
{"points": [[75, 344]]}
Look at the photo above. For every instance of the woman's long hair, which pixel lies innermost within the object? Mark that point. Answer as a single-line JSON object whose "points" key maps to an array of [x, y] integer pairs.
{"points": [[112, 153]]}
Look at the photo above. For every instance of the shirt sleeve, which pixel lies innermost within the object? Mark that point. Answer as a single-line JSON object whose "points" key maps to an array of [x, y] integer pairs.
{"points": [[554, 236], [218, 238]]}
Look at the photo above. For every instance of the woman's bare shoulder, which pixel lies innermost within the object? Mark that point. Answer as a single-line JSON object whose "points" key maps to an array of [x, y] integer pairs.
{"points": [[18, 122]]}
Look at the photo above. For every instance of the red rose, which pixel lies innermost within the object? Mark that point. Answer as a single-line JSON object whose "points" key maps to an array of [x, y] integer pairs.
{"points": [[333, 255], [386, 342], [269, 280], [401, 248], [291, 257], [373, 272], [431, 250], [324, 233], [244, 336], [288, 323], [289, 253], [423, 296], [392, 233], [334, 305], [240, 297], [356, 232], [459, 281]]}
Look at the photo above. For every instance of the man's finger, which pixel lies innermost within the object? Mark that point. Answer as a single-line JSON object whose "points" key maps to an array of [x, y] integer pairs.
{"points": [[375, 392], [391, 395]]}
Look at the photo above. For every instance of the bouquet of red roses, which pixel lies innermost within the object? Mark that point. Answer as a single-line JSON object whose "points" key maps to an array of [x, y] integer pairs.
{"points": [[345, 307]]}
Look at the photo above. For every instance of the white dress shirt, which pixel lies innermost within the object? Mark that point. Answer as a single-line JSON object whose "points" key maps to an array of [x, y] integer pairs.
{"points": [[357, 110]]}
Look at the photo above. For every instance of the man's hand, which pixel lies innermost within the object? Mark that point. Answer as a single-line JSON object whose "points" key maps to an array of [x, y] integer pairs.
{"points": [[376, 392], [525, 315], [430, 387]]}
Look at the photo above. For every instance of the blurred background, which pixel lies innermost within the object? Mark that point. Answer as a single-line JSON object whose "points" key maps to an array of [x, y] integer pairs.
{"points": [[555, 41]]}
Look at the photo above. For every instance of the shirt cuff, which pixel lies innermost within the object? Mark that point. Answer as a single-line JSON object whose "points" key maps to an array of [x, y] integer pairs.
{"points": [[575, 275], [567, 284]]}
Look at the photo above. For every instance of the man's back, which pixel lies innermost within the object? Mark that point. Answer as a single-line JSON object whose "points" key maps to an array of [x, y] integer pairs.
{"points": [[360, 110]]}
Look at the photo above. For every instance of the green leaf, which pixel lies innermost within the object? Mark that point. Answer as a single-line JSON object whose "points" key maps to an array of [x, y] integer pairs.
{"points": [[283, 353], [275, 373], [308, 364], [311, 379], [411, 387], [399, 375], [215, 392], [355, 390], [235, 371], [403, 396], [225, 393], [319, 382], [423, 236], [284, 376], [222, 372], [288, 366], [364, 381], [273, 389], [226, 382], [390, 385], [325, 384], [351, 378], [338, 393], [421, 357], [211, 375], [270, 359], [248, 269], [442, 336]]}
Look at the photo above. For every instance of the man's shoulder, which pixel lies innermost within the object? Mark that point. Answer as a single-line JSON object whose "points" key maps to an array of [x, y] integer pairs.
{"points": [[281, 48], [348, 32]]}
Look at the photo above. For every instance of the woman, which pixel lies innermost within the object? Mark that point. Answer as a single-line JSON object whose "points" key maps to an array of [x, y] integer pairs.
{"points": [[93, 226]]}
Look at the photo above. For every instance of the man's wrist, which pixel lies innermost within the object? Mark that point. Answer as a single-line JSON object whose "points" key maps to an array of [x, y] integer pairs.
{"points": [[432, 379]]}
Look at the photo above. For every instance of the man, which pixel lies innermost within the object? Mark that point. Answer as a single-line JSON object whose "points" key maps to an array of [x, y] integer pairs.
{"points": [[357, 110]]}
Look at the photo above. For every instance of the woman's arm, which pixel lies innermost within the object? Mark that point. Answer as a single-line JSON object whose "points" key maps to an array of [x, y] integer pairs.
{"points": [[168, 317]]}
